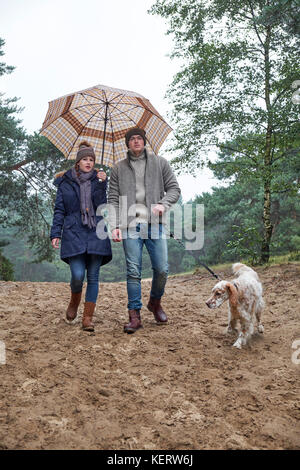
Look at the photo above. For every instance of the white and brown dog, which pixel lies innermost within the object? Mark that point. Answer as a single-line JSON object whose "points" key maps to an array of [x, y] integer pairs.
{"points": [[245, 302]]}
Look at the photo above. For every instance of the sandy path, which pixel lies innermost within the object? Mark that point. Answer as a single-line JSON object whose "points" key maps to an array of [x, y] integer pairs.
{"points": [[180, 386]]}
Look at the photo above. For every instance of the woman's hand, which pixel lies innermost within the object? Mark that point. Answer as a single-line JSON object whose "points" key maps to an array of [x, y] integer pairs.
{"points": [[55, 242], [101, 175]]}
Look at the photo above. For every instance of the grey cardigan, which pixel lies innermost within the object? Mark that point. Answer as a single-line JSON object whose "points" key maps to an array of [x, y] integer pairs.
{"points": [[160, 184]]}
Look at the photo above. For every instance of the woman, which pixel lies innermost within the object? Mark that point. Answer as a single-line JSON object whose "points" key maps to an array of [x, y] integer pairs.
{"points": [[80, 191]]}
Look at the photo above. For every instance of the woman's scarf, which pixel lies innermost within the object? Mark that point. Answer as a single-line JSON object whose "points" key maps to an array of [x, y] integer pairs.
{"points": [[86, 205]]}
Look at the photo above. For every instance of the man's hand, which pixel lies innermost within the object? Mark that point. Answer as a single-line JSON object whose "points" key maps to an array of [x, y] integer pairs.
{"points": [[55, 242], [159, 209], [116, 235]]}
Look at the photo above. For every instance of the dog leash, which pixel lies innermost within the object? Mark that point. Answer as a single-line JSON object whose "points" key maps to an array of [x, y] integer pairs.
{"points": [[199, 261]]}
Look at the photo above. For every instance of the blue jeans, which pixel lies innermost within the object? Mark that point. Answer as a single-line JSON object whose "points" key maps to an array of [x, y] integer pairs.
{"points": [[133, 242], [91, 264]]}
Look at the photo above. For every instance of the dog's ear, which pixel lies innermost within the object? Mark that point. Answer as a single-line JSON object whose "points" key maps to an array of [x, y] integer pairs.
{"points": [[233, 294]]}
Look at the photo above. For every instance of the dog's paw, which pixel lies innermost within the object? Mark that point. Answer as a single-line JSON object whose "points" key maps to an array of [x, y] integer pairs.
{"points": [[238, 344], [260, 328]]}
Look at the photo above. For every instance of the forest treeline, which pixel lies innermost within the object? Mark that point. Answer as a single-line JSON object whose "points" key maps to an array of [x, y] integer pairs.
{"points": [[232, 232]]}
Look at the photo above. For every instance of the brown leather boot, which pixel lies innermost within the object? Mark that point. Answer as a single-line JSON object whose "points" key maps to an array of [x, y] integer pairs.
{"points": [[72, 309], [87, 324], [134, 322], [155, 307]]}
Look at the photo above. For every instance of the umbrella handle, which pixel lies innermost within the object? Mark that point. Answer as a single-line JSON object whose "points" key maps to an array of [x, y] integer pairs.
{"points": [[99, 179]]}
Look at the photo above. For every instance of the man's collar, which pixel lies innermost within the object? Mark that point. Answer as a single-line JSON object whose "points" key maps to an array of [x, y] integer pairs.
{"points": [[136, 157]]}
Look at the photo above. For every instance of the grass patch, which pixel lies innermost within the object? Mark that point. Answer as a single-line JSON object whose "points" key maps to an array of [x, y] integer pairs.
{"points": [[289, 258]]}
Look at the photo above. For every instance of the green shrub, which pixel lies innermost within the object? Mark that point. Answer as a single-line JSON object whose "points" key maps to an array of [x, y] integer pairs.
{"points": [[6, 267]]}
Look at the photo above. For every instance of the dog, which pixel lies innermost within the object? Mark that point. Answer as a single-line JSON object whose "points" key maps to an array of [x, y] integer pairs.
{"points": [[245, 302]]}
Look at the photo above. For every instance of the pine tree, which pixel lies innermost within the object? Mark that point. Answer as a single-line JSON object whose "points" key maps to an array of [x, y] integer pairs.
{"points": [[235, 91], [28, 164]]}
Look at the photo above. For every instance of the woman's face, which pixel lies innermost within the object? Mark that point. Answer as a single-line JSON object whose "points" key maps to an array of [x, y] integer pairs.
{"points": [[86, 164]]}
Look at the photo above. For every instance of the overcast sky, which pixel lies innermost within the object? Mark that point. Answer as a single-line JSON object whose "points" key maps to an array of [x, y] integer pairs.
{"points": [[62, 46]]}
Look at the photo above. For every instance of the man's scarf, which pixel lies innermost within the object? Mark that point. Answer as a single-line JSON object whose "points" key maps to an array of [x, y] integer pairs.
{"points": [[86, 206]]}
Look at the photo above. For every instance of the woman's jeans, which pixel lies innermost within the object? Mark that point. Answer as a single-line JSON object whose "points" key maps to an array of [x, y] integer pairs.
{"points": [[78, 265], [153, 236]]}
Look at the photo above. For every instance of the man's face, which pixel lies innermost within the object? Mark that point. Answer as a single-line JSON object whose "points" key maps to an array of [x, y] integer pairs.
{"points": [[136, 144]]}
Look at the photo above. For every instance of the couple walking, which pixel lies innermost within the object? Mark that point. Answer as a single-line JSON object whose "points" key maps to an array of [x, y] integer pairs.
{"points": [[143, 182]]}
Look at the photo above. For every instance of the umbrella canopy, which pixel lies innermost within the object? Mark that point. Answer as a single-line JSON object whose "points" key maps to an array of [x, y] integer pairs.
{"points": [[101, 116]]}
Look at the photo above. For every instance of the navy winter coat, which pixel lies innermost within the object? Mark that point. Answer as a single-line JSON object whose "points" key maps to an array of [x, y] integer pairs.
{"points": [[75, 237]]}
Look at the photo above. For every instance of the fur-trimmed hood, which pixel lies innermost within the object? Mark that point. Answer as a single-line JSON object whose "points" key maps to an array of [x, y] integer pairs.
{"points": [[58, 178]]}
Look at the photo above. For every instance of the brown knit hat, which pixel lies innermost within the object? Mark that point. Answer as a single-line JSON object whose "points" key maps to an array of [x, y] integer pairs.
{"points": [[135, 131], [85, 150]]}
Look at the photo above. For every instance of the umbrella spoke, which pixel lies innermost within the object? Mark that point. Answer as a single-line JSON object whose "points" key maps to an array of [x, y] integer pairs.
{"points": [[118, 103], [97, 97], [81, 110], [125, 112], [79, 134], [115, 97]]}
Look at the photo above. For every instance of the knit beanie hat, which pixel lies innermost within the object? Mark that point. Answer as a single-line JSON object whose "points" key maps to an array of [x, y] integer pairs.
{"points": [[85, 150], [135, 131]]}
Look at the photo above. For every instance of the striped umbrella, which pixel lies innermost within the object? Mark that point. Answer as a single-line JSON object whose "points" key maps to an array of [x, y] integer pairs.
{"points": [[101, 116]]}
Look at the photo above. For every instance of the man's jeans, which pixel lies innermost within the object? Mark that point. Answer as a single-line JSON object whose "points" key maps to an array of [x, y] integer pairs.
{"points": [[78, 265], [153, 236]]}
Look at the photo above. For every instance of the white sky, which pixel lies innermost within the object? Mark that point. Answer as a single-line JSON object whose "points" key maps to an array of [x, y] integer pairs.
{"points": [[62, 46]]}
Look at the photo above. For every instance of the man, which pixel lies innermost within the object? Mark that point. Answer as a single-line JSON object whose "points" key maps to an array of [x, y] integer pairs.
{"points": [[142, 187]]}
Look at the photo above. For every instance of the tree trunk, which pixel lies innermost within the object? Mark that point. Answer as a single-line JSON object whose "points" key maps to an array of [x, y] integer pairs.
{"points": [[268, 228]]}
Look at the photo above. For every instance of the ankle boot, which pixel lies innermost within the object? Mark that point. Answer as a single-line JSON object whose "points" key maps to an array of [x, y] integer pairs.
{"points": [[72, 309], [155, 307], [87, 324], [134, 321]]}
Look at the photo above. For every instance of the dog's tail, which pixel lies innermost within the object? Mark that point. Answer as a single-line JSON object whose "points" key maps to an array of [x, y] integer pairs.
{"points": [[237, 268]]}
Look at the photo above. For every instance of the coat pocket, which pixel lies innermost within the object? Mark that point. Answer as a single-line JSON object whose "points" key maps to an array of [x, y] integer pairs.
{"points": [[69, 222]]}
